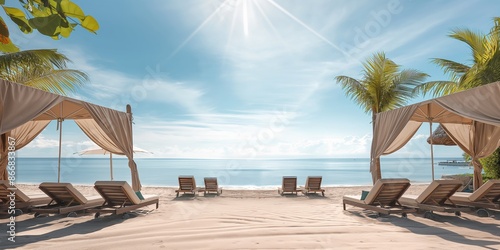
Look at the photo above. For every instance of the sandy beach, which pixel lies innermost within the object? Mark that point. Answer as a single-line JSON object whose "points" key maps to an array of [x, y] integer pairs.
{"points": [[253, 219]]}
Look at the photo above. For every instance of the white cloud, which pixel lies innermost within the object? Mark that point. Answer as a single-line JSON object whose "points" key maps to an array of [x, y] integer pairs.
{"points": [[42, 142]]}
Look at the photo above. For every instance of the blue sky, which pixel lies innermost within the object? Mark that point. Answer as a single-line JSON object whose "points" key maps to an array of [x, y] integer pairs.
{"points": [[251, 78]]}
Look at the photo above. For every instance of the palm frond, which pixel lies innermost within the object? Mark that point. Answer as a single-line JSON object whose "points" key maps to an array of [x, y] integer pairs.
{"points": [[454, 69], [44, 69], [437, 88], [495, 31], [61, 81], [46, 58], [475, 41], [406, 81], [355, 90]]}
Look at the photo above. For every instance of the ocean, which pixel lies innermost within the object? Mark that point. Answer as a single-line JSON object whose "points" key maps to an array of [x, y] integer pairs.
{"points": [[231, 173]]}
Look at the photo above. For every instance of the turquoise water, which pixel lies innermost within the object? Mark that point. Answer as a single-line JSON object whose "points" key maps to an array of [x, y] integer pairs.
{"points": [[231, 173]]}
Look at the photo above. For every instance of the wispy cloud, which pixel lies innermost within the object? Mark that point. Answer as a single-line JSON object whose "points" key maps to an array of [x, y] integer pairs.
{"points": [[116, 89]]}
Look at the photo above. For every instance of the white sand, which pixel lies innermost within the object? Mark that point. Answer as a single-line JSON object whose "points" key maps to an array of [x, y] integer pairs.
{"points": [[253, 219]]}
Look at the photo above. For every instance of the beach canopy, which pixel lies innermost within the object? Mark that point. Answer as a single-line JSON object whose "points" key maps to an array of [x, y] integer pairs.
{"points": [[471, 118], [26, 111]]}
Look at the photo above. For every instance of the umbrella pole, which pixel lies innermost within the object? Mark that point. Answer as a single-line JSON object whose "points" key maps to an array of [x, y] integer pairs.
{"points": [[111, 164], [59, 123], [432, 151]]}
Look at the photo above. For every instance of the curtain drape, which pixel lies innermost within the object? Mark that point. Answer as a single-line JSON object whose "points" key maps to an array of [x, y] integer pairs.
{"points": [[118, 128], [478, 140], [23, 135], [392, 131]]}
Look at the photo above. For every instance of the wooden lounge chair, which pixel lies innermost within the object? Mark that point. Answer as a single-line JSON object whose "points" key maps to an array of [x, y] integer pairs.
{"points": [[382, 198], [289, 185], [486, 196], [435, 198], [22, 202], [313, 185], [65, 199], [211, 185], [187, 184], [119, 198]]}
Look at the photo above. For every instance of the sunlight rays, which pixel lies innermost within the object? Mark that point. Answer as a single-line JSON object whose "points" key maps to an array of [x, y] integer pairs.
{"points": [[290, 15], [245, 18], [198, 29]]}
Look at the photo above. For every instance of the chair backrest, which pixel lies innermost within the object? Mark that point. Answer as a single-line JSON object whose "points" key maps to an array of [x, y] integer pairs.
{"points": [[211, 183], [187, 182], [488, 191], [63, 193], [313, 182], [117, 193], [438, 192], [289, 184], [5, 192], [386, 192]]}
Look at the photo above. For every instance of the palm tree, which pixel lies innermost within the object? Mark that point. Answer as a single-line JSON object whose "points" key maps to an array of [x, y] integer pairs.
{"points": [[384, 86], [485, 66], [43, 69]]}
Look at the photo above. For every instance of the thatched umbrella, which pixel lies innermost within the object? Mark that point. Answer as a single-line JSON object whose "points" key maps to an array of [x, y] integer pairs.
{"points": [[440, 137]]}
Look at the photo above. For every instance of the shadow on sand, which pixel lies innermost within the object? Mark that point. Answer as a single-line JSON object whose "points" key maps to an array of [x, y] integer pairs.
{"points": [[89, 226], [437, 231]]}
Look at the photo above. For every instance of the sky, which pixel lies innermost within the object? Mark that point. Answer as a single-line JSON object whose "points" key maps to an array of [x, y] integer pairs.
{"points": [[251, 78]]}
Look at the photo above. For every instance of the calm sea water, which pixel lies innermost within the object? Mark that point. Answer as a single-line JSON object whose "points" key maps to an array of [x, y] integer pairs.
{"points": [[231, 173]]}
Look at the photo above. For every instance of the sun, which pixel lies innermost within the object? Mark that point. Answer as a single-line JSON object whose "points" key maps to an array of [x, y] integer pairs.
{"points": [[237, 11], [247, 15]]}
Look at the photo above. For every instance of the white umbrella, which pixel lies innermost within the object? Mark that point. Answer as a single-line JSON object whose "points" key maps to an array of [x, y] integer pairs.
{"points": [[100, 151]]}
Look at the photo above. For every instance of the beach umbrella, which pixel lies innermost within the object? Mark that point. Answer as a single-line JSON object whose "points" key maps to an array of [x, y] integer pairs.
{"points": [[100, 151], [440, 137]]}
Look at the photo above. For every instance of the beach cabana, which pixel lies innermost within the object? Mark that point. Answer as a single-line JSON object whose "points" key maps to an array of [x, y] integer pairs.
{"points": [[471, 118], [25, 112]]}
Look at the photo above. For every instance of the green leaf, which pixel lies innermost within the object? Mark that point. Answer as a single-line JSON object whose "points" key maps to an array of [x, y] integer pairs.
{"points": [[2, 2], [39, 12], [47, 25], [8, 48], [66, 31], [6, 44], [13, 11], [71, 9], [90, 24], [18, 17]]}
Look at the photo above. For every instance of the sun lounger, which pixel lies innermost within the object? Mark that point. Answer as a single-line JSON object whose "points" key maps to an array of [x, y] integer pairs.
{"points": [[435, 198], [289, 185], [382, 198], [486, 196], [119, 198], [65, 199], [187, 184], [211, 185], [313, 185], [20, 202]]}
